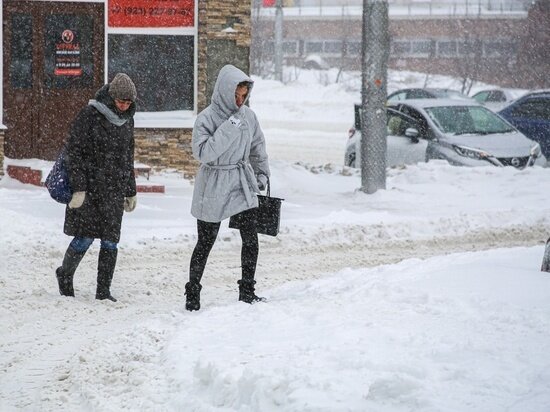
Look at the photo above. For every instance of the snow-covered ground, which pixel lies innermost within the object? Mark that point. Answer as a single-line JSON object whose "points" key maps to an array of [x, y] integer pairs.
{"points": [[427, 296]]}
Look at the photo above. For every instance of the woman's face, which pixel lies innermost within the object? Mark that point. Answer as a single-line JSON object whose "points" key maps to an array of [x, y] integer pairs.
{"points": [[123, 105], [240, 95]]}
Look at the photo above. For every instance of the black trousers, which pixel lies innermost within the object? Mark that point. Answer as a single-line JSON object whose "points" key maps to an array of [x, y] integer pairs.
{"points": [[207, 233]]}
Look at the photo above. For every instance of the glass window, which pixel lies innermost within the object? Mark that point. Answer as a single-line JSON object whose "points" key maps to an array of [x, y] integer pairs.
{"points": [[314, 47], [162, 66], [354, 48], [469, 47], [333, 47], [446, 48], [68, 54], [398, 96], [401, 47], [481, 97], [423, 47], [21, 51], [496, 96], [499, 48], [290, 47], [467, 120], [537, 108]]}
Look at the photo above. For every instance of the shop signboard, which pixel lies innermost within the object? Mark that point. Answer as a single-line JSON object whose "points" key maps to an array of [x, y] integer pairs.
{"points": [[151, 13]]}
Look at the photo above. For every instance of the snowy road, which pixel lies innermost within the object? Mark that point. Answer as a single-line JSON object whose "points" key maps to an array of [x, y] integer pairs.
{"points": [[44, 332], [64, 354]]}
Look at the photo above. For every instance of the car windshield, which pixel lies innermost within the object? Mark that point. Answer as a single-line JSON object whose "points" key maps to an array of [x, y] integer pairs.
{"points": [[467, 120]]}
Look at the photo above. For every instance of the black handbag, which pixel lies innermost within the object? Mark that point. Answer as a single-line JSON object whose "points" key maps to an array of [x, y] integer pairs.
{"points": [[267, 214]]}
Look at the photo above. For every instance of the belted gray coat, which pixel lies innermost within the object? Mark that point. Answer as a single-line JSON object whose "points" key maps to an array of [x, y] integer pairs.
{"points": [[230, 146]]}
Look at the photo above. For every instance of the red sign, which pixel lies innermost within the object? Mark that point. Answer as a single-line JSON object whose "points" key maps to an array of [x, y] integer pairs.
{"points": [[151, 13], [269, 3]]}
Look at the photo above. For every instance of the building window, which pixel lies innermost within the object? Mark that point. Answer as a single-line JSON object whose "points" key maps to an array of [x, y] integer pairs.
{"points": [[446, 48], [333, 47], [354, 48], [499, 48], [156, 46], [162, 66], [290, 47], [421, 48], [314, 47], [401, 47]]}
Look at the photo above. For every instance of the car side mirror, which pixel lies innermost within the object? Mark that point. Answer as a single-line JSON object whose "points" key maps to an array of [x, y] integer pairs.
{"points": [[412, 134]]}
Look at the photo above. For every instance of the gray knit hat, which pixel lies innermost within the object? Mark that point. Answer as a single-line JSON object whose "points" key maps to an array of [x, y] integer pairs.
{"points": [[122, 88]]}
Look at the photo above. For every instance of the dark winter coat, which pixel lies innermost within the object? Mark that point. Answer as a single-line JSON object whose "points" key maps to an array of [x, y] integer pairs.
{"points": [[100, 162]]}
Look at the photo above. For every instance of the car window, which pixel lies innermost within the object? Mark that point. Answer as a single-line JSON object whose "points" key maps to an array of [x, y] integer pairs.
{"points": [[418, 94], [397, 124], [481, 97], [467, 120], [398, 96], [496, 96], [535, 108], [421, 122]]}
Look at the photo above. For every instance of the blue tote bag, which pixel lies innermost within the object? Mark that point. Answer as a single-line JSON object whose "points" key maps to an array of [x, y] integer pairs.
{"points": [[57, 181]]}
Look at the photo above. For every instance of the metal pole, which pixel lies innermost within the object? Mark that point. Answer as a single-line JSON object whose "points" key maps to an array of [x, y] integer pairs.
{"points": [[376, 45], [279, 41]]}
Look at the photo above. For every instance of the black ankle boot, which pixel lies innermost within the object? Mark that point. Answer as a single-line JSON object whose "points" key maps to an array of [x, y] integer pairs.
{"points": [[193, 295], [65, 273], [246, 291], [105, 269]]}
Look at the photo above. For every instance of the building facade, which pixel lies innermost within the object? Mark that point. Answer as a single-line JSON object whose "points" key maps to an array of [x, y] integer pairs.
{"points": [[57, 54], [487, 40]]}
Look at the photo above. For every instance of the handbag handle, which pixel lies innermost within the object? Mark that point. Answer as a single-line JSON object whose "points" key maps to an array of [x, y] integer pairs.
{"points": [[268, 184]]}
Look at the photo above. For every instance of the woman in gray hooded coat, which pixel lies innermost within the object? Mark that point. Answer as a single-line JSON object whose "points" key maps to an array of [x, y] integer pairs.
{"points": [[230, 146]]}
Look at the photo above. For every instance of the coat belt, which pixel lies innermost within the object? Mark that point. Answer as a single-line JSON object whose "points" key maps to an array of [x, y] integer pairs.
{"points": [[246, 175]]}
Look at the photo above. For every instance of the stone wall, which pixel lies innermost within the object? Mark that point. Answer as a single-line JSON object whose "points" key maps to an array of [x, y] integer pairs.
{"points": [[224, 38], [165, 148]]}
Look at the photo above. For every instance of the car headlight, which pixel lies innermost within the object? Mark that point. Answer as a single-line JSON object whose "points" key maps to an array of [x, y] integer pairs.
{"points": [[535, 150], [472, 153]]}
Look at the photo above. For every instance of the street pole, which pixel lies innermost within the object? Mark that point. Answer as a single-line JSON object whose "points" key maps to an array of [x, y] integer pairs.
{"points": [[279, 41], [375, 48]]}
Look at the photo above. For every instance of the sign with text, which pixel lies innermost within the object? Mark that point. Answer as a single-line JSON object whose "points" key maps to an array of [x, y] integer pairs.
{"points": [[151, 13], [67, 55]]}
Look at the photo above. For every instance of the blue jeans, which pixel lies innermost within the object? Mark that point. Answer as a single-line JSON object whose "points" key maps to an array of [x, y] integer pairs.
{"points": [[81, 244]]}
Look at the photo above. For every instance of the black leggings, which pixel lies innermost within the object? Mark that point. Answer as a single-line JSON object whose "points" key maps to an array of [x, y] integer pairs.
{"points": [[207, 233]]}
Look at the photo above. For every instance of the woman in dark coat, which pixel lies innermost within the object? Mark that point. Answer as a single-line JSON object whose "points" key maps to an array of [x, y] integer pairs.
{"points": [[100, 164]]}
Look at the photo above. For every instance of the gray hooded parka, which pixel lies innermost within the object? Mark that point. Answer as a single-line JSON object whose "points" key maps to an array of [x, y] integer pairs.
{"points": [[229, 144]]}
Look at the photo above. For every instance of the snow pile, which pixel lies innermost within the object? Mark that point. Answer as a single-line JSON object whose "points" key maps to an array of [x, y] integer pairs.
{"points": [[466, 332]]}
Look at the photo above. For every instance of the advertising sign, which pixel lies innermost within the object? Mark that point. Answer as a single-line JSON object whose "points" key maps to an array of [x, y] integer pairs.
{"points": [[67, 55], [151, 13]]}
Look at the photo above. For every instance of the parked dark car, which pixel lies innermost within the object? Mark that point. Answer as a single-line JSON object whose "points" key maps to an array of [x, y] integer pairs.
{"points": [[427, 93], [531, 115]]}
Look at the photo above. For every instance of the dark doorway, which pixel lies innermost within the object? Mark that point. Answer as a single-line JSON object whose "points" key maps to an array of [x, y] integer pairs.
{"points": [[53, 64]]}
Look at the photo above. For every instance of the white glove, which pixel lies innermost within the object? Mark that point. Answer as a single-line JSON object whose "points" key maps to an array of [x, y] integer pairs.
{"points": [[130, 203], [235, 121], [77, 200]]}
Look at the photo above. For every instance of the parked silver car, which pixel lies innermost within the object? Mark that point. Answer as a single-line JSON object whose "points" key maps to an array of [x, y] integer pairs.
{"points": [[496, 99], [426, 93], [461, 132]]}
